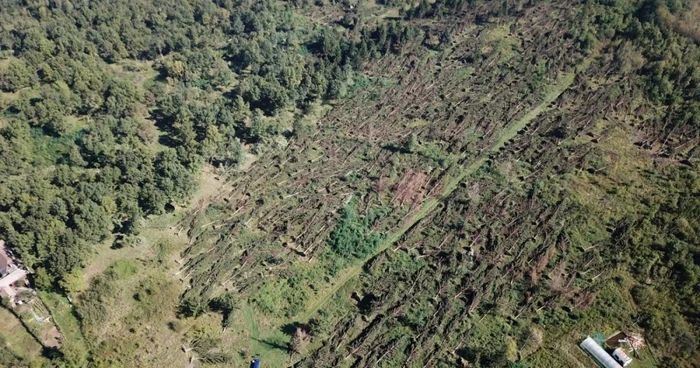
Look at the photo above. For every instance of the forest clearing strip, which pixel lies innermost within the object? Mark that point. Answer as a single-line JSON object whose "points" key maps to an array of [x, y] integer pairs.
{"points": [[563, 82]]}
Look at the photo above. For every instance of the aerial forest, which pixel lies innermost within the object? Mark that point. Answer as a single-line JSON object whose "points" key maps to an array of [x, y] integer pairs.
{"points": [[353, 183]]}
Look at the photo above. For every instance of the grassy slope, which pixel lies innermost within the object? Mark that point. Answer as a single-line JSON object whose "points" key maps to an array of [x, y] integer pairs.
{"points": [[18, 340], [146, 326], [158, 342]]}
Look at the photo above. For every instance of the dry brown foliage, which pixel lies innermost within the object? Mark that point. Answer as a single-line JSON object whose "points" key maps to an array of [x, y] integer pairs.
{"points": [[409, 188]]}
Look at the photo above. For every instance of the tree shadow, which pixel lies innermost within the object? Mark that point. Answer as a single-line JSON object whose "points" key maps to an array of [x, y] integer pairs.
{"points": [[51, 353], [366, 302], [394, 148], [273, 344], [291, 328], [164, 124]]}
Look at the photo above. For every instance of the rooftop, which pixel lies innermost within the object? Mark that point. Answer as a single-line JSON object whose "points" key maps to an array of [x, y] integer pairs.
{"points": [[13, 277], [7, 292]]}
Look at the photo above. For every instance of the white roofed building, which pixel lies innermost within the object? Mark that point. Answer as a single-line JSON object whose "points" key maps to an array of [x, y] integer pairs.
{"points": [[621, 357], [599, 354], [10, 274]]}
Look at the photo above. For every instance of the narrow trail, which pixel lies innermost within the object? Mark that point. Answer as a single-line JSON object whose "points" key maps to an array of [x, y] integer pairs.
{"points": [[563, 82]]}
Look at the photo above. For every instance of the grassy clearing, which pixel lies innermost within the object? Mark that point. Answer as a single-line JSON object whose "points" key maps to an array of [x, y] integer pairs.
{"points": [[104, 256], [63, 315], [141, 317], [133, 70], [502, 42], [17, 339], [140, 321], [7, 98], [269, 344], [418, 123]]}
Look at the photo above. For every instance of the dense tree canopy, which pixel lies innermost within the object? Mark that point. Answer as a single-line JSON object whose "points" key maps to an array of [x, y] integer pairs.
{"points": [[86, 127]]}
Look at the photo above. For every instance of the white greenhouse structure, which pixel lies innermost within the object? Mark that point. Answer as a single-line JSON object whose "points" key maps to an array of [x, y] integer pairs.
{"points": [[599, 354]]}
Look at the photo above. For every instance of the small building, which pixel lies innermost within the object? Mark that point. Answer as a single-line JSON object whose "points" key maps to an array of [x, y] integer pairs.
{"points": [[13, 277], [621, 357], [599, 354], [10, 275], [622, 344]]}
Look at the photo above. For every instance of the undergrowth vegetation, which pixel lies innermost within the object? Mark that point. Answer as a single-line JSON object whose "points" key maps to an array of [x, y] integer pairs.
{"points": [[353, 236]]}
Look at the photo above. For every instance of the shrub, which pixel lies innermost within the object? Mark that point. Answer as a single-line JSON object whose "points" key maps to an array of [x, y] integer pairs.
{"points": [[352, 236]]}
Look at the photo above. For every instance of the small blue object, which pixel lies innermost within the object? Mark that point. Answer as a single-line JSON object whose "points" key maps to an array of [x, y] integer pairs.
{"points": [[255, 363]]}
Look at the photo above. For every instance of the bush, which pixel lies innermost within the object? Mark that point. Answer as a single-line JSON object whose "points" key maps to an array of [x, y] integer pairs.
{"points": [[352, 236]]}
